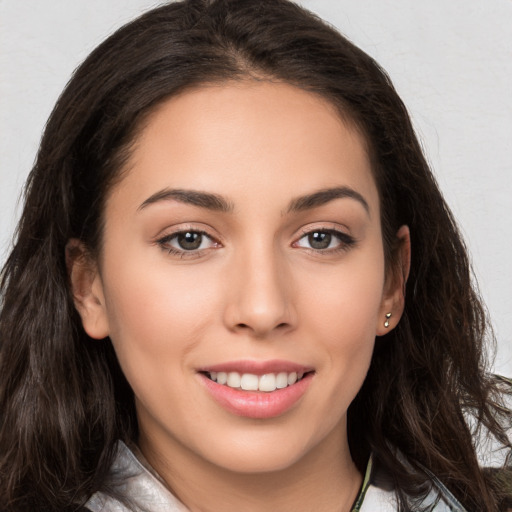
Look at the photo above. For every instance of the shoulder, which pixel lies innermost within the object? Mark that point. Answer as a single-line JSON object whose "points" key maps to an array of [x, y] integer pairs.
{"points": [[379, 494], [141, 489]]}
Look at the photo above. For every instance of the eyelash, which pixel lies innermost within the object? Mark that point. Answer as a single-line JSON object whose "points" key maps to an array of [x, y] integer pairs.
{"points": [[345, 242], [184, 253]]}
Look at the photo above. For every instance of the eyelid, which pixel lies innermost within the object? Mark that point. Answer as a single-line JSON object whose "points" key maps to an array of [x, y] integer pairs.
{"points": [[346, 240], [183, 227], [163, 241]]}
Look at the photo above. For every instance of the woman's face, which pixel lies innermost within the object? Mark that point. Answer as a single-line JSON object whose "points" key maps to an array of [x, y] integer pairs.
{"points": [[243, 243]]}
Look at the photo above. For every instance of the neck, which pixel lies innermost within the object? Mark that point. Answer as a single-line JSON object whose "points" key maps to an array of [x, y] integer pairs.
{"points": [[324, 479]]}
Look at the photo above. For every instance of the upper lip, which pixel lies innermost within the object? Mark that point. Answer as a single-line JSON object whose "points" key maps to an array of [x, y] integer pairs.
{"points": [[257, 367]]}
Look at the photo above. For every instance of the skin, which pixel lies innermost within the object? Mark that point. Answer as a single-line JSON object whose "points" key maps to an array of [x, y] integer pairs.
{"points": [[256, 290]]}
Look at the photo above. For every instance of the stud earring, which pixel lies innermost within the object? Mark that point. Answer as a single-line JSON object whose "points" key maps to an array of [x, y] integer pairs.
{"points": [[386, 323]]}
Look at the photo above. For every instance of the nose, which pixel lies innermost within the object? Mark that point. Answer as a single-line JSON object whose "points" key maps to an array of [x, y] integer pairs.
{"points": [[260, 298]]}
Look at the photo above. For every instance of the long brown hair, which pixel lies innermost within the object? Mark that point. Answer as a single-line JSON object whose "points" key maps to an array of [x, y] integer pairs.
{"points": [[63, 398]]}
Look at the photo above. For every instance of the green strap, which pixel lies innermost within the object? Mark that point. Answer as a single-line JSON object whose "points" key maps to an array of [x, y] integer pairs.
{"points": [[364, 487]]}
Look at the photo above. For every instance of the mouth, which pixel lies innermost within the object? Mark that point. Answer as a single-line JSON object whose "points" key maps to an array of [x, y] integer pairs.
{"points": [[258, 390], [268, 382]]}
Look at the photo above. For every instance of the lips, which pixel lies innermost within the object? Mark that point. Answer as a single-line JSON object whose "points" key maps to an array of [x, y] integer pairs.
{"points": [[257, 389]]}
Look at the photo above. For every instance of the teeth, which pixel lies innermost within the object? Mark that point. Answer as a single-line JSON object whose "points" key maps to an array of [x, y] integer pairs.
{"points": [[250, 382], [234, 380], [281, 380], [268, 382]]}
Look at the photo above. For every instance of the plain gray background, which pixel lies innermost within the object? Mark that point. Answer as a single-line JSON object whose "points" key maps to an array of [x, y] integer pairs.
{"points": [[451, 62]]}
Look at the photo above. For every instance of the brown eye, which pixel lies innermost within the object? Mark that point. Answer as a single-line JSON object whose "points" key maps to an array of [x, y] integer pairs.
{"points": [[189, 241], [319, 240], [326, 241]]}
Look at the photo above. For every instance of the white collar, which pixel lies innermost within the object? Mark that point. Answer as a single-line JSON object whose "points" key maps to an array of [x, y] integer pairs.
{"points": [[146, 490]]}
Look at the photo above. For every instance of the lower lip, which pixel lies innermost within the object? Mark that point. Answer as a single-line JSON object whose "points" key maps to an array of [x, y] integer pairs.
{"points": [[257, 404]]}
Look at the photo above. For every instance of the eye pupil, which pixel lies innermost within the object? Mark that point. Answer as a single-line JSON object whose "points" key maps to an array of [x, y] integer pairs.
{"points": [[189, 240], [319, 240]]}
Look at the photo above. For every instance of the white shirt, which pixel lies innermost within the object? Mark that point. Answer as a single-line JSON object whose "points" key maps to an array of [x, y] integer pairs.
{"points": [[147, 490]]}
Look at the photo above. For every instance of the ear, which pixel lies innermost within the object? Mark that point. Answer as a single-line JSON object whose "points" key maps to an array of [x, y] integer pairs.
{"points": [[87, 289], [393, 300]]}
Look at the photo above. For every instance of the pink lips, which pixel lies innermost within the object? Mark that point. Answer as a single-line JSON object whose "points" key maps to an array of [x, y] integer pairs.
{"points": [[257, 404]]}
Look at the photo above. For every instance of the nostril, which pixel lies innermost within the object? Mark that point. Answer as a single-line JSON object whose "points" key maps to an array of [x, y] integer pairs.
{"points": [[281, 326]]}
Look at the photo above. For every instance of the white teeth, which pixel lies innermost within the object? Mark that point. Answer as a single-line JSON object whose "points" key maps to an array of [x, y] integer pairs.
{"points": [[267, 382], [292, 378], [250, 382], [234, 380], [281, 380]]}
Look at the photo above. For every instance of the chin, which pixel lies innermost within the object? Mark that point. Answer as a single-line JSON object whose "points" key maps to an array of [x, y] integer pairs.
{"points": [[247, 455], [264, 462]]}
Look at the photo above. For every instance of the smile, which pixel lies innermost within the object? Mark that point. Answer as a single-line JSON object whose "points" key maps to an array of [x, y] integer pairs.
{"points": [[259, 390], [250, 382]]}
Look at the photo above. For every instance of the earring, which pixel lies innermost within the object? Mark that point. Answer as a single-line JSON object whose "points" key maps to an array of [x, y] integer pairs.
{"points": [[386, 323]]}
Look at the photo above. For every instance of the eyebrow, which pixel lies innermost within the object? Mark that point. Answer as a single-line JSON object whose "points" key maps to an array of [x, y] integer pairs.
{"points": [[218, 203], [324, 196], [196, 198]]}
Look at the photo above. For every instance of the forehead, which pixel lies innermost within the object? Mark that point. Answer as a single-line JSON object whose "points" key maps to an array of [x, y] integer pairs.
{"points": [[245, 138]]}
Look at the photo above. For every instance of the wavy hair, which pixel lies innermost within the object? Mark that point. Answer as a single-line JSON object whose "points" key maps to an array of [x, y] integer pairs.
{"points": [[63, 398]]}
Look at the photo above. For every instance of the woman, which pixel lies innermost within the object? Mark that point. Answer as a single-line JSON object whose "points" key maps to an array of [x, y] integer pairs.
{"points": [[226, 291]]}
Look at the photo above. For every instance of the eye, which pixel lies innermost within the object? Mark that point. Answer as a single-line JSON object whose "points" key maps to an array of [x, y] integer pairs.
{"points": [[325, 240], [187, 241]]}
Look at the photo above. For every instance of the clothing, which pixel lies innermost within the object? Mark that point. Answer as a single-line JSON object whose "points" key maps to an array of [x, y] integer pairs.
{"points": [[147, 489]]}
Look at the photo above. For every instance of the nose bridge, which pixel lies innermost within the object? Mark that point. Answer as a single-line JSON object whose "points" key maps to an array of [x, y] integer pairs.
{"points": [[261, 300]]}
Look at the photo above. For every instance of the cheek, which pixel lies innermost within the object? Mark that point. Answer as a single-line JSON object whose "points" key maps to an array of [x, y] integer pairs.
{"points": [[345, 324], [341, 313], [156, 315], [344, 303], [348, 345]]}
